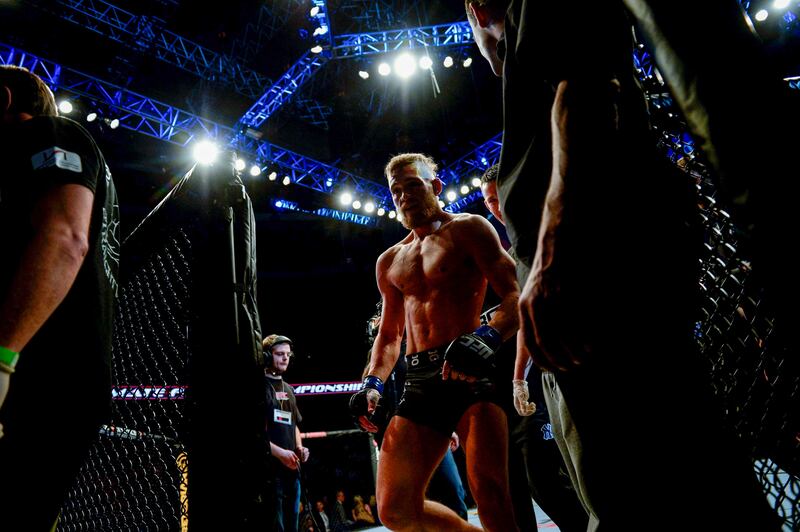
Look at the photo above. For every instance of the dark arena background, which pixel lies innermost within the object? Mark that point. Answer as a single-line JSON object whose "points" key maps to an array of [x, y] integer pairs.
{"points": [[314, 97]]}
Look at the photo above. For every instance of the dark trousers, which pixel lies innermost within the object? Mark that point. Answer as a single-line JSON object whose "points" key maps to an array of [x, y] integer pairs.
{"points": [[287, 488]]}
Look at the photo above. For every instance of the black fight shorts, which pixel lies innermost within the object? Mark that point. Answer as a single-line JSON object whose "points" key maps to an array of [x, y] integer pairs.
{"points": [[428, 400]]}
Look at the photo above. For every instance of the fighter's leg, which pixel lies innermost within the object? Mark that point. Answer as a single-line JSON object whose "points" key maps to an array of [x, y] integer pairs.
{"points": [[409, 454], [484, 433]]}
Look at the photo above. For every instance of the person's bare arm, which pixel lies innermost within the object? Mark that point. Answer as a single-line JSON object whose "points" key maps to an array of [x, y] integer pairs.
{"points": [[553, 319], [301, 452], [498, 268], [47, 268]]}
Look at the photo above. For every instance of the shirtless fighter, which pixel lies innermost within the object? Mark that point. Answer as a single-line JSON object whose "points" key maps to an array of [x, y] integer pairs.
{"points": [[433, 284]]}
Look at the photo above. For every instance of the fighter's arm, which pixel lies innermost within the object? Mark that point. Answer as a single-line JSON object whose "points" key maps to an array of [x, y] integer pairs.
{"points": [[498, 268], [386, 348]]}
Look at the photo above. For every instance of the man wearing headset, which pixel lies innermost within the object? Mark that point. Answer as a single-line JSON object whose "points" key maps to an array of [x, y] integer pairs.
{"points": [[284, 436]]}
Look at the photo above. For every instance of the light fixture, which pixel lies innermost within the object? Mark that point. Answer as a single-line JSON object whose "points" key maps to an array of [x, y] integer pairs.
{"points": [[392, 214], [781, 4], [322, 30], [476, 182], [356, 204], [363, 74], [316, 49], [65, 107], [448, 62], [346, 198], [451, 196], [114, 124], [272, 176], [286, 180], [381, 211], [91, 117], [255, 170], [314, 11], [762, 15], [205, 152], [239, 164], [441, 204], [467, 62], [384, 69], [425, 62], [464, 190], [405, 66], [369, 206]]}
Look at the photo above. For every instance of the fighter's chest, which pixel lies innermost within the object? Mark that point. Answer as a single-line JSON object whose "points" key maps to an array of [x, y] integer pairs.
{"points": [[420, 264]]}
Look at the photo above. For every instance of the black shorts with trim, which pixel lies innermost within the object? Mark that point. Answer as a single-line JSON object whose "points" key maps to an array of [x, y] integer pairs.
{"points": [[428, 400]]}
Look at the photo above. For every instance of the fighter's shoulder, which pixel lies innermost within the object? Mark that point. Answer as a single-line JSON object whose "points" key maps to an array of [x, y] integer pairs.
{"points": [[387, 257], [470, 223]]}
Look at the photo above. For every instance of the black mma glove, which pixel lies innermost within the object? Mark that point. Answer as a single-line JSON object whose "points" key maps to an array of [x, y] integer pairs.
{"points": [[371, 389], [473, 353]]}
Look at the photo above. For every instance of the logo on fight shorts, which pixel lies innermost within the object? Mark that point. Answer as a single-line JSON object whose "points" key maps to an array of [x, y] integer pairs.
{"points": [[60, 158], [433, 357]]}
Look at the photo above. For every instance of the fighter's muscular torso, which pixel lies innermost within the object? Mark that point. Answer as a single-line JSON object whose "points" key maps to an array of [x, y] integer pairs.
{"points": [[441, 285]]}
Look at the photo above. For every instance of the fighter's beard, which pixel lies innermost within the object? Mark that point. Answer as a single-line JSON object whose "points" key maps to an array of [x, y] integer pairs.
{"points": [[424, 215]]}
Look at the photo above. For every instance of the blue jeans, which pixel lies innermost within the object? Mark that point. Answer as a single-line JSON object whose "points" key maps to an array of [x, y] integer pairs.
{"points": [[287, 490]]}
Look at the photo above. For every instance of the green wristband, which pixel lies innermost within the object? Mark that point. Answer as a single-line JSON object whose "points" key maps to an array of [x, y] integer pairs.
{"points": [[8, 357]]}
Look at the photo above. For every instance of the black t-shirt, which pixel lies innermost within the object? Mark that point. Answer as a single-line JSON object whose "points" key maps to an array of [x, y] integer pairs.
{"points": [[281, 400], [73, 347]]}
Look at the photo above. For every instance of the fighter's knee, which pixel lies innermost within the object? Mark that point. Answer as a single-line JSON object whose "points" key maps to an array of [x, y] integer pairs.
{"points": [[395, 512]]}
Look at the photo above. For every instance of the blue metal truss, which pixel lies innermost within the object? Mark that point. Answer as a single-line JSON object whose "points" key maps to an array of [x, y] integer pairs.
{"points": [[381, 42], [147, 33], [474, 164], [283, 89], [164, 122]]}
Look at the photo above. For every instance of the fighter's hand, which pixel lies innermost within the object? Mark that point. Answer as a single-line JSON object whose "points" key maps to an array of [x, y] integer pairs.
{"points": [[288, 458], [362, 406], [454, 442], [472, 354], [302, 453], [521, 396]]}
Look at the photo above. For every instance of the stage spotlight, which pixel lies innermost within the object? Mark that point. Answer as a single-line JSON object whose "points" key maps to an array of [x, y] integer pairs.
{"points": [[448, 62], [317, 49], [91, 117], [781, 4], [762, 15], [425, 62], [272, 176], [392, 214], [484, 161], [239, 164], [205, 152], [314, 11], [279, 204], [328, 183], [464, 190], [65, 107], [451, 196], [322, 30], [381, 211], [441, 204], [255, 170], [346, 198], [114, 124], [467, 62], [384, 69], [286, 180], [369, 206], [476, 182], [363, 74], [405, 66], [356, 204]]}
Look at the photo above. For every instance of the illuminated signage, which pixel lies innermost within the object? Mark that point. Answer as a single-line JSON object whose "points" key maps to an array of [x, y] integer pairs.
{"points": [[327, 388], [147, 393]]}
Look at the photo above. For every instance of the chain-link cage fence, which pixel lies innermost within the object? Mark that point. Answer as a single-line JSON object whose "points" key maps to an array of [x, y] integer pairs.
{"points": [[751, 353], [185, 327]]}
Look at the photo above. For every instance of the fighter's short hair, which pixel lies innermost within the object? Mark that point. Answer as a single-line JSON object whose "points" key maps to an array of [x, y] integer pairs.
{"points": [[405, 159], [29, 94]]}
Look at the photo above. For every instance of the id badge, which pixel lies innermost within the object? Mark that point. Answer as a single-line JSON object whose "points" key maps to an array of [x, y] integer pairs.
{"points": [[282, 416]]}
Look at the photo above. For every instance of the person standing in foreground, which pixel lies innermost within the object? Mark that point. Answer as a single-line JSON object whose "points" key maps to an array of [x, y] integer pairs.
{"points": [[59, 221], [433, 285], [607, 262]]}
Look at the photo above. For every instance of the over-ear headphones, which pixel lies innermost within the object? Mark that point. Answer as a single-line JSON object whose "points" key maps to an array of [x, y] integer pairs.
{"points": [[271, 341]]}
